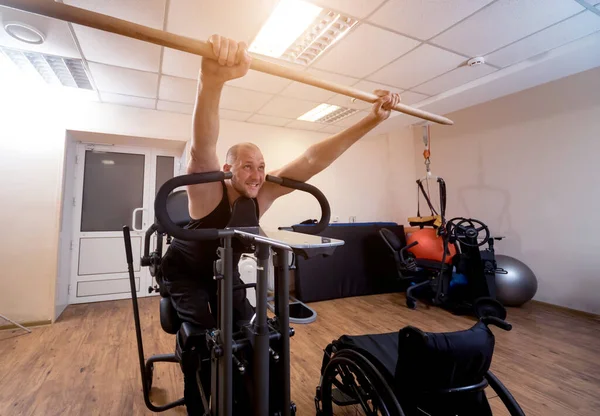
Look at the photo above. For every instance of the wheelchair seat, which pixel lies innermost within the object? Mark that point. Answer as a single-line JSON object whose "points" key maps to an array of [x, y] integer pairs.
{"points": [[413, 373]]}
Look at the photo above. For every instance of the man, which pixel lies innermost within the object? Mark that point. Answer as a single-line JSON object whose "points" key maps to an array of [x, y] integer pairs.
{"points": [[188, 266]]}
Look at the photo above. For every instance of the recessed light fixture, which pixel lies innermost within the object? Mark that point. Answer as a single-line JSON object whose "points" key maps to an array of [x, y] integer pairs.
{"points": [[24, 33], [54, 70], [327, 113], [299, 32]]}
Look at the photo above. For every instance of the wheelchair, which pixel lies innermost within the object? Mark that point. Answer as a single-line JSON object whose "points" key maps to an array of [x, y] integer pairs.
{"points": [[246, 371], [414, 373]]}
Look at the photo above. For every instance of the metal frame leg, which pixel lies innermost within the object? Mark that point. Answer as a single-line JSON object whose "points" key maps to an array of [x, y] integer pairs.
{"points": [[282, 310], [225, 324], [261, 330]]}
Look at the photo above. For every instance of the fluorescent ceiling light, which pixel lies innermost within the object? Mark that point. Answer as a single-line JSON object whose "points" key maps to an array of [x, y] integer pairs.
{"points": [[299, 31], [318, 112], [287, 22], [327, 113], [55, 70]]}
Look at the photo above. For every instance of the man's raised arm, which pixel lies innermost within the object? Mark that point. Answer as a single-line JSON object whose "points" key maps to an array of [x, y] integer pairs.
{"points": [[322, 154], [233, 62]]}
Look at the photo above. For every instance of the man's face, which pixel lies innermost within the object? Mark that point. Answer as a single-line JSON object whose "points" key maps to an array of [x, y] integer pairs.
{"points": [[248, 172]]}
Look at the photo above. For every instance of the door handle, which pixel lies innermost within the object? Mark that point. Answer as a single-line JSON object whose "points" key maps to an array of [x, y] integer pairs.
{"points": [[135, 211]]}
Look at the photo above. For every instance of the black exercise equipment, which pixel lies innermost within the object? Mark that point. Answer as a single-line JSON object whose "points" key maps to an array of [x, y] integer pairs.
{"points": [[246, 372], [414, 373], [436, 282]]}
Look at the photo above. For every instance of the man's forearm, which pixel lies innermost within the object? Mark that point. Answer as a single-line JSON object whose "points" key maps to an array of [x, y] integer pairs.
{"points": [[205, 127], [321, 155]]}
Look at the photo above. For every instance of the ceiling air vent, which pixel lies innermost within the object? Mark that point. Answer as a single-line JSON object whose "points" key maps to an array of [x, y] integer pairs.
{"points": [[54, 70]]}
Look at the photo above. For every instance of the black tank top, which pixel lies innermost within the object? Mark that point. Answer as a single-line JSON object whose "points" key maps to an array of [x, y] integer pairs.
{"points": [[200, 255]]}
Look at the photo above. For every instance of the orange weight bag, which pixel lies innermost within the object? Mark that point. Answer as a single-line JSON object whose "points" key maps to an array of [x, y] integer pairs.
{"points": [[430, 246]]}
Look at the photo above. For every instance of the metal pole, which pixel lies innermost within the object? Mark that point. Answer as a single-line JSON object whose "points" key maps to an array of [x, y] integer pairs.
{"points": [[226, 334], [261, 330], [282, 309]]}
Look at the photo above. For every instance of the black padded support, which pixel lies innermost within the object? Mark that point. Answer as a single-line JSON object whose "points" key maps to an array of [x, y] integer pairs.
{"points": [[191, 334], [362, 266], [169, 320]]}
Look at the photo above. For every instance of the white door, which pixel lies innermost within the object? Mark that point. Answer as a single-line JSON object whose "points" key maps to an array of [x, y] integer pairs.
{"points": [[114, 186]]}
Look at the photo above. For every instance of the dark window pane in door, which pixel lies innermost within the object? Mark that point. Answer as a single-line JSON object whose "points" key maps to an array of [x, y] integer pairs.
{"points": [[113, 186], [165, 166]]}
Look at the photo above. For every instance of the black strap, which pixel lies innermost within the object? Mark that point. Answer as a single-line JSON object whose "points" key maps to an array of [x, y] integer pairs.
{"points": [[433, 211]]}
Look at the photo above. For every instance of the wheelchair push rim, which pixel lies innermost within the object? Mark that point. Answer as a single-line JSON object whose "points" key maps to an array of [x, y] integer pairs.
{"points": [[351, 385]]}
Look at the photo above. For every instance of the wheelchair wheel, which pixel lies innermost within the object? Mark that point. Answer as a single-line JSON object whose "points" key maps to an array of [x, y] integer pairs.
{"points": [[351, 385]]}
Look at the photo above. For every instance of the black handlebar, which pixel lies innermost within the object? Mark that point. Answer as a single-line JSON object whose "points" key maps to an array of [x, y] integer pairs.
{"points": [[162, 215], [303, 186], [167, 226]]}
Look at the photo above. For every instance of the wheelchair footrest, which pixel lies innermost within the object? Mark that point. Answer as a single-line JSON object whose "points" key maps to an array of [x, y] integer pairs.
{"points": [[342, 399]]}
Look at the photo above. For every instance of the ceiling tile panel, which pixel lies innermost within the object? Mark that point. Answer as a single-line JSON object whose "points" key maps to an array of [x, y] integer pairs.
{"points": [[124, 81], [418, 66], [304, 125], [177, 89], [270, 120], [181, 64], [425, 18], [174, 107], [58, 36], [454, 78], [332, 129], [236, 19], [354, 118], [111, 49], [287, 107], [356, 8], [308, 92], [259, 81], [348, 102], [233, 115], [411, 97], [364, 50], [503, 22], [107, 97], [240, 99], [561, 33], [147, 12]]}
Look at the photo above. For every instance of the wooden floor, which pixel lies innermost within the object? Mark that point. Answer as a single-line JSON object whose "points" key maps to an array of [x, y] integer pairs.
{"points": [[86, 363]]}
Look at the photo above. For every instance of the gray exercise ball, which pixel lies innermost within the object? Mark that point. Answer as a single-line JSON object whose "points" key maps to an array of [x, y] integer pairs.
{"points": [[518, 285]]}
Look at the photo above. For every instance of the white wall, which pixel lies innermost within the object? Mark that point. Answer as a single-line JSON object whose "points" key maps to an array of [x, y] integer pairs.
{"points": [[31, 156], [401, 185], [527, 165]]}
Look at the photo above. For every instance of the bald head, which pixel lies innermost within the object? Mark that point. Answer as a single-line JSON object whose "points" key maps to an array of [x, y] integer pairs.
{"points": [[245, 161], [234, 151]]}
